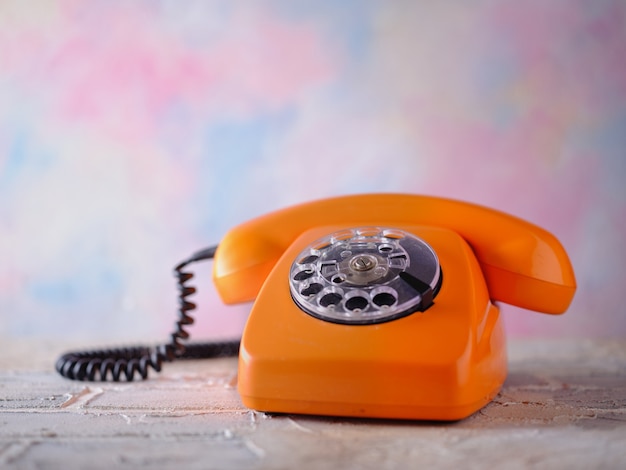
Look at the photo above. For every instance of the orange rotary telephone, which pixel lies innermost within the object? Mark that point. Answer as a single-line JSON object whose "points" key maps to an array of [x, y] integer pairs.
{"points": [[370, 306], [381, 305]]}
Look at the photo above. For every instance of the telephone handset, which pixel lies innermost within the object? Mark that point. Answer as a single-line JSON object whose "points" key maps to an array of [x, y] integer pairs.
{"points": [[380, 305], [523, 264]]}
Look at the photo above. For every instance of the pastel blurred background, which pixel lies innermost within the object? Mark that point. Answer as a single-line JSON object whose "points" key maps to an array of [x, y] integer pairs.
{"points": [[134, 133]]}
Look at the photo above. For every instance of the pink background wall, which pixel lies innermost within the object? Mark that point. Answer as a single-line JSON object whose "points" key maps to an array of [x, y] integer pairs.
{"points": [[133, 133]]}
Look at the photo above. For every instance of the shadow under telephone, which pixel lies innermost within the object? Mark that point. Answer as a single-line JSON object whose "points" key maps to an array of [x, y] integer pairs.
{"points": [[377, 305]]}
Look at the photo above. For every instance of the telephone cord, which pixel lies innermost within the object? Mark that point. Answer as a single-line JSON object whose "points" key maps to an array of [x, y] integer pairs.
{"points": [[126, 362]]}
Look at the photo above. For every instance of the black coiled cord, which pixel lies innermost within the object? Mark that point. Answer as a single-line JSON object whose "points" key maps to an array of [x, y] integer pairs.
{"points": [[118, 363]]}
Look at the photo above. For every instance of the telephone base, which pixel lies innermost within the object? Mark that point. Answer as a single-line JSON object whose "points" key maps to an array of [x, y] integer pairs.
{"points": [[441, 364]]}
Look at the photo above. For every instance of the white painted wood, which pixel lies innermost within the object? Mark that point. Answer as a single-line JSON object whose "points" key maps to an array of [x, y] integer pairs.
{"points": [[563, 406]]}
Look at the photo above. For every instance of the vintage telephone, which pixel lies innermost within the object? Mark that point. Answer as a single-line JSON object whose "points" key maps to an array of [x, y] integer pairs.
{"points": [[377, 305]]}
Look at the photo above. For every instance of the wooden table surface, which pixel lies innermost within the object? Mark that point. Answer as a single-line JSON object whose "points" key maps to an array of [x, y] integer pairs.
{"points": [[563, 406]]}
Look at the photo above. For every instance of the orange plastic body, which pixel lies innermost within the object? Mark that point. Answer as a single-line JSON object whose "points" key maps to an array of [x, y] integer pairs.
{"points": [[443, 364]]}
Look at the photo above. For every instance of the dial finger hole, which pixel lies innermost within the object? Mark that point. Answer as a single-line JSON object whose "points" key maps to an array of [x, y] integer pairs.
{"points": [[305, 273], [393, 234], [357, 303], [308, 259], [330, 299], [384, 299], [368, 231], [385, 248], [312, 289], [340, 236]]}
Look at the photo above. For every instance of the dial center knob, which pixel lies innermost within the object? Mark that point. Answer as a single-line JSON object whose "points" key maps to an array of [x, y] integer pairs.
{"points": [[363, 262]]}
